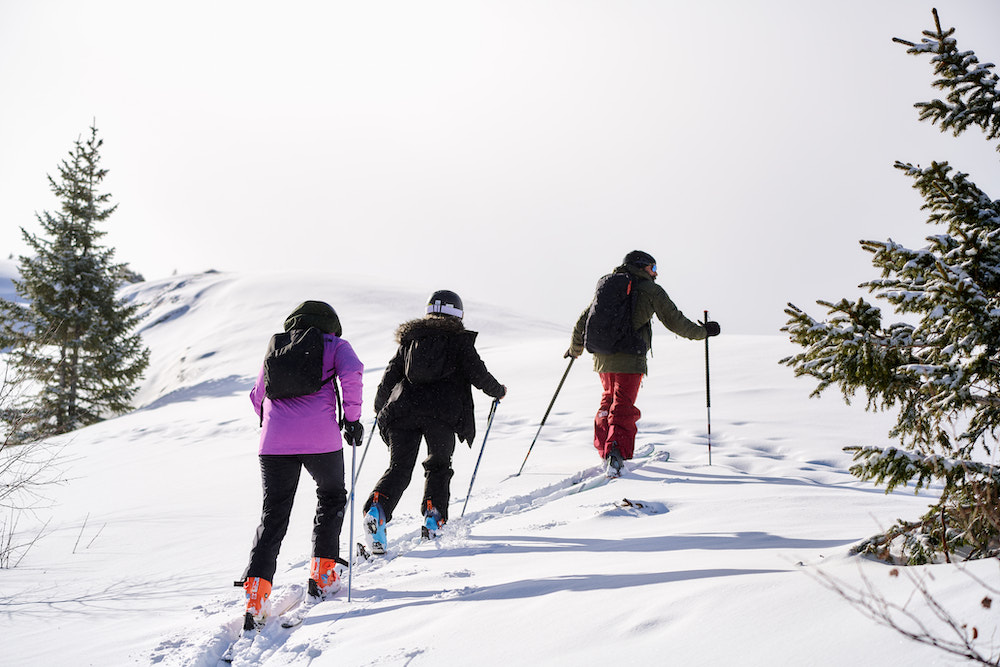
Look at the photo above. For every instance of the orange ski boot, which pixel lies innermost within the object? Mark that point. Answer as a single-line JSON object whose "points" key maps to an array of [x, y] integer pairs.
{"points": [[323, 579], [258, 591]]}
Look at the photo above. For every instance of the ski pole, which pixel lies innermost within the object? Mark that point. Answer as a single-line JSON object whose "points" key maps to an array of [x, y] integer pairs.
{"points": [[546, 416], [708, 396], [365, 453], [354, 483], [489, 423]]}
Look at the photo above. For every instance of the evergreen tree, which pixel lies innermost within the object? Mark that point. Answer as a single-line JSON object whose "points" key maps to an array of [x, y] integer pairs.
{"points": [[74, 338], [942, 374]]}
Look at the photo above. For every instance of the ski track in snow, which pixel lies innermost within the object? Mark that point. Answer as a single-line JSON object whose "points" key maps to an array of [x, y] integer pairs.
{"points": [[273, 638]]}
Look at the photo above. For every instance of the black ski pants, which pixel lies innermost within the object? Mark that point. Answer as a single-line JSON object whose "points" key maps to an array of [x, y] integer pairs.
{"points": [[404, 447], [280, 479]]}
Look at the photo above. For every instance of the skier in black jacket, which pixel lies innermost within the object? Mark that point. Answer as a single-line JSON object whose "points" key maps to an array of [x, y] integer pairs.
{"points": [[426, 392]]}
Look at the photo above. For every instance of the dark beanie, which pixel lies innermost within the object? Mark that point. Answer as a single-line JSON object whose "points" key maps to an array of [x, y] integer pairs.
{"points": [[314, 314], [639, 258]]}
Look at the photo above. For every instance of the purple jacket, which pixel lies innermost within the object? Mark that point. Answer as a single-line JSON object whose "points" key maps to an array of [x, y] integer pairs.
{"points": [[308, 424]]}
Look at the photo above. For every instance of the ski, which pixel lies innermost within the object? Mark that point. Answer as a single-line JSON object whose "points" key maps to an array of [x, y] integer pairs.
{"points": [[641, 456], [586, 480], [644, 451], [239, 647], [290, 597], [364, 554], [295, 617]]}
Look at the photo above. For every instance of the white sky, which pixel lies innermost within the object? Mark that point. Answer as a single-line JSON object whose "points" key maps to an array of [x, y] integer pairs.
{"points": [[512, 151]]}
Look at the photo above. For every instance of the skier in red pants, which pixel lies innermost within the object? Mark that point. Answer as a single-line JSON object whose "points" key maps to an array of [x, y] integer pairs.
{"points": [[616, 328], [617, 415]]}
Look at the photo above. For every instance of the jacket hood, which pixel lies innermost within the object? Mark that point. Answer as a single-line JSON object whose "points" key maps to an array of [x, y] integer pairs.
{"points": [[634, 271], [314, 314], [430, 324]]}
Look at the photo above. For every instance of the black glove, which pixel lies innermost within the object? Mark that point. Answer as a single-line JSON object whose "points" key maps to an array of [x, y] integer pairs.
{"points": [[503, 392], [712, 328], [354, 432]]}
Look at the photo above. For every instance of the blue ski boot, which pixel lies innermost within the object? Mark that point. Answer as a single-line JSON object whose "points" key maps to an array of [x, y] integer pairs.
{"points": [[432, 522], [375, 527]]}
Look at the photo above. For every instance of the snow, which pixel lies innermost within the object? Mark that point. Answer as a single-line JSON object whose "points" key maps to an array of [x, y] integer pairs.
{"points": [[8, 269], [706, 564]]}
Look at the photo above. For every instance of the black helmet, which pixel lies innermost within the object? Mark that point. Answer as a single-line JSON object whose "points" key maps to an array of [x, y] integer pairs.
{"points": [[639, 258], [445, 302]]}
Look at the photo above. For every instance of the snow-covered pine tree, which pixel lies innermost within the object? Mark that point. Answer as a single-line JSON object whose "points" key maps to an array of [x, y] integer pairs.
{"points": [[73, 337], [942, 374]]}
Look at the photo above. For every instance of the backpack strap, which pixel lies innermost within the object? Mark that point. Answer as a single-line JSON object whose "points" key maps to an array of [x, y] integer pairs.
{"points": [[340, 402], [336, 392]]}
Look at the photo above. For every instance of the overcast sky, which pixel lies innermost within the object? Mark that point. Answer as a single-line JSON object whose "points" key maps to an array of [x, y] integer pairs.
{"points": [[512, 151]]}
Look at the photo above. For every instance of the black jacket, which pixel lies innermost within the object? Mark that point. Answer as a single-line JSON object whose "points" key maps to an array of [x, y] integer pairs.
{"points": [[400, 403]]}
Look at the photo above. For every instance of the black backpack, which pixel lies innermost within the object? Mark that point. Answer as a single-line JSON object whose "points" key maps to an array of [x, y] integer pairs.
{"points": [[609, 321], [294, 364], [425, 359]]}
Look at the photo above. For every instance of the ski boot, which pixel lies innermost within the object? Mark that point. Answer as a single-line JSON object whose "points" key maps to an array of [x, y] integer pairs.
{"points": [[323, 580], [614, 461], [375, 527], [258, 591], [432, 522]]}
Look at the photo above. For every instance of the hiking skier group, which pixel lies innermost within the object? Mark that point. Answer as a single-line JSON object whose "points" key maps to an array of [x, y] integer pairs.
{"points": [[425, 394]]}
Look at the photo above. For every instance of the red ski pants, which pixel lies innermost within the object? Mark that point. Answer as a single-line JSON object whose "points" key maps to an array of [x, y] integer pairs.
{"points": [[616, 418]]}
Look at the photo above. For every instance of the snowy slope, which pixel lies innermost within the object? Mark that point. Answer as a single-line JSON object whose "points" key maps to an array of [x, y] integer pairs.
{"points": [[8, 272], [706, 564]]}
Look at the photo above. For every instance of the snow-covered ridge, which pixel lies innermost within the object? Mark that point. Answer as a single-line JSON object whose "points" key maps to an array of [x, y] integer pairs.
{"points": [[208, 331]]}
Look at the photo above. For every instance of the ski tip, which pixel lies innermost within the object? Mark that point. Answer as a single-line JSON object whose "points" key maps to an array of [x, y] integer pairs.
{"points": [[292, 622]]}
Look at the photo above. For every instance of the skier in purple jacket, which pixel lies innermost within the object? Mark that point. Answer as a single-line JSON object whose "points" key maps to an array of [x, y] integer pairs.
{"points": [[304, 432]]}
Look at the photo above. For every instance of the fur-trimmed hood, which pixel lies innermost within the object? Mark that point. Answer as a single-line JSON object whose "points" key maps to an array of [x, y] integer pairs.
{"points": [[429, 324], [448, 401]]}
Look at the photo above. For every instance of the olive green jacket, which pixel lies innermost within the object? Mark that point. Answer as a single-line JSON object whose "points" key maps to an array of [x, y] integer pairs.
{"points": [[651, 300]]}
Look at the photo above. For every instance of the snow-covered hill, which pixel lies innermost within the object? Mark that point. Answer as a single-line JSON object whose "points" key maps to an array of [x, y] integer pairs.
{"points": [[8, 272], [702, 565]]}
